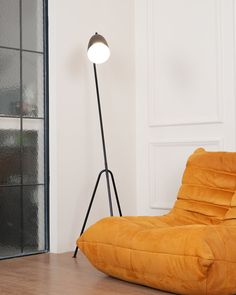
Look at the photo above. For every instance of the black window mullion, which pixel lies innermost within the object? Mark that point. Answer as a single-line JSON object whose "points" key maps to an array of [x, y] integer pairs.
{"points": [[25, 117], [26, 184], [46, 123], [18, 49], [21, 135]]}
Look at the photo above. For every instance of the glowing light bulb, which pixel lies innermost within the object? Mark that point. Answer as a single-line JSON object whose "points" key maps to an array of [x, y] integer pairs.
{"points": [[98, 50]]}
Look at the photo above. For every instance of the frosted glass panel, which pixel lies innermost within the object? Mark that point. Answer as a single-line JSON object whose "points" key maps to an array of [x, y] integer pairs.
{"points": [[10, 221], [9, 23], [33, 155], [33, 84], [9, 82], [32, 24], [10, 172], [33, 208]]}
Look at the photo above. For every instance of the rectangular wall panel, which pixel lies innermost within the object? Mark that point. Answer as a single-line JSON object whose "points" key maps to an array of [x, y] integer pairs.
{"points": [[184, 62], [167, 162]]}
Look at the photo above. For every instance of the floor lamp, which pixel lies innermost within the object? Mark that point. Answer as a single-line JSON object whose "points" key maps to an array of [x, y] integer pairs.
{"points": [[99, 52]]}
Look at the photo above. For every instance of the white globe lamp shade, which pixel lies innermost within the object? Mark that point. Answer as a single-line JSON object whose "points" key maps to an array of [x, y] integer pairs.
{"points": [[98, 49]]}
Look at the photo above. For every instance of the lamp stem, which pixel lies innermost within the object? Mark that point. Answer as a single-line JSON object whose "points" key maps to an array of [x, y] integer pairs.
{"points": [[103, 141]]}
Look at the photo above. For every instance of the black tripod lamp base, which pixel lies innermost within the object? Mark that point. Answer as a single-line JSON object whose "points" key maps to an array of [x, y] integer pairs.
{"points": [[92, 199]]}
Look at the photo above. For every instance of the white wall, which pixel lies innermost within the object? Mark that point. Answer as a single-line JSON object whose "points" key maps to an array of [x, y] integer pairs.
{"points": [[75, 143], [170, 77]]}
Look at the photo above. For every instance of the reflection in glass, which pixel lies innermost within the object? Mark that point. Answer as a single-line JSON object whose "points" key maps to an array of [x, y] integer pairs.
{"points": [[33, 208], [9, 82], [10, 221], [32, 24], [33, 82]]}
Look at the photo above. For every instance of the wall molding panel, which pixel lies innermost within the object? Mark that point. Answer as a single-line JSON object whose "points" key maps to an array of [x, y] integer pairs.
{"points": [[175, 83], [165, 171]]}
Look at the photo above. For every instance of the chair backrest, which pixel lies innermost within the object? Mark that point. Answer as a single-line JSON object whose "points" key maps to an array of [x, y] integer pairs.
{"points": [[209, 186]]}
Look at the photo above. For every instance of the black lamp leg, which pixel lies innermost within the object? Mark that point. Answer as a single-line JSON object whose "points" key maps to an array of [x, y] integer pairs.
{"points": [[91, 202], [76, 251], [92, 199], [115, 191], [89, 208]]}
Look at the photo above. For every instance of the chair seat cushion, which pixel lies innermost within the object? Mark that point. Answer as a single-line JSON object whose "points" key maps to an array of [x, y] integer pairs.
{"points": [[183, 259]]}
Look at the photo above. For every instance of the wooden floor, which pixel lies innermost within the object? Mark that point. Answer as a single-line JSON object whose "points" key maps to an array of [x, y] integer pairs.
{"points": [[61, 274]]}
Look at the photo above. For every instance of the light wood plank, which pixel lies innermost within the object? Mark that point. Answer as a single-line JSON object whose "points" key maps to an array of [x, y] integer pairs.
{"points": [[50, 274]]}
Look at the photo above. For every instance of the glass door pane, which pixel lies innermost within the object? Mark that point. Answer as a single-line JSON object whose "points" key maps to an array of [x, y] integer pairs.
{"points": [[23, 128], [9, 81]]}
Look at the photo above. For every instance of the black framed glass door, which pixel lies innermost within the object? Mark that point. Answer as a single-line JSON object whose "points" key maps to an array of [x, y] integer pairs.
{"points": [[23, 128]]}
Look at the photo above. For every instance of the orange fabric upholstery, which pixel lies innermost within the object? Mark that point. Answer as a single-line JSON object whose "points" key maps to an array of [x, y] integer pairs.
{"points": [[191, 250]]}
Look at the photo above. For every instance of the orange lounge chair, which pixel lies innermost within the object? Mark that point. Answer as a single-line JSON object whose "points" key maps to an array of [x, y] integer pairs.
{"points": [[191, 250]]}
